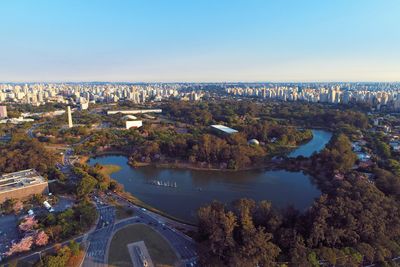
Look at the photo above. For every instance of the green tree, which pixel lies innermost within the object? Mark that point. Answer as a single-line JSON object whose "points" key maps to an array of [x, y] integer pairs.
{"points": [[86, 186], [338, 155], [216, 228], [383, 149]]}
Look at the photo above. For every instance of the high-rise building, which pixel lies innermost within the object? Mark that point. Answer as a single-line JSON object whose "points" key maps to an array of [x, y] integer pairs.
{"points": [[70, 125], [3, 112]]}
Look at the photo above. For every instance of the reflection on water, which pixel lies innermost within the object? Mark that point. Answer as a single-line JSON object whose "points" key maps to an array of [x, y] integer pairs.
{"points": [[196, 188]]}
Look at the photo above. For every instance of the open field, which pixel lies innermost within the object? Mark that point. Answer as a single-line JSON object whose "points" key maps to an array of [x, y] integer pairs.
{"points": [[160, 251]]}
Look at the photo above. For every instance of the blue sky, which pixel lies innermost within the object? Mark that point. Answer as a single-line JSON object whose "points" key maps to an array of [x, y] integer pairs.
{"points": [[200, 40]]}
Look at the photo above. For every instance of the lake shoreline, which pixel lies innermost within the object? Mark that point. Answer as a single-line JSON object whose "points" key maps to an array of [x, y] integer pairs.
{"points": [[283, 182], [272, 164], [197, 187]]}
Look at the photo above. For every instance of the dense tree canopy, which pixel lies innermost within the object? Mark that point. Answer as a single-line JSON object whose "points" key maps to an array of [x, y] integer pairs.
{"points": [[77, 219], [210, 148], [23, 153], [355, 223], [230, 238], [299, 113], [338, 155]]}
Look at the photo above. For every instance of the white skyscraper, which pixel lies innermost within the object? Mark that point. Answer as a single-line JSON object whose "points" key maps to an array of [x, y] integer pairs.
{"points": [[70, 125]]}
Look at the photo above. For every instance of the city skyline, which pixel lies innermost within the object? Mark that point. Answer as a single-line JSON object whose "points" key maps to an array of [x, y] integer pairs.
{"points": [[208, 41]]}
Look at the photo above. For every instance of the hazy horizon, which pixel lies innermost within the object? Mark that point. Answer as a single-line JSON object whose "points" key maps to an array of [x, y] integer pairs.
{"points": [[199, 82]]}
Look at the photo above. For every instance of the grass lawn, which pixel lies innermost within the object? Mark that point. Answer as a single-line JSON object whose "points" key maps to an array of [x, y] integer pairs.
{"points": [[160, 251], [109, 169]]}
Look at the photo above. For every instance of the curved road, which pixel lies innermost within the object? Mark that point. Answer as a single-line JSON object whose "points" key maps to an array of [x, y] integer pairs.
{"points": [[99, 239]]}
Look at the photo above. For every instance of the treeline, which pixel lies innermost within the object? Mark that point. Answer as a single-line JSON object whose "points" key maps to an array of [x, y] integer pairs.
{"points": [[296, 113], [311, 114]]}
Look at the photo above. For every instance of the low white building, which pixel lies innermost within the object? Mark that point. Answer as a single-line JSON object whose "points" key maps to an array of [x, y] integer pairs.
{"points": [[84, 105], [22, 185], [16, 120], [223, 129], [133, 124]]}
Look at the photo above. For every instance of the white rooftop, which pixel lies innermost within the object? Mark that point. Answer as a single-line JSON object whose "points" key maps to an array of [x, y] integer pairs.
{"points": [[224, 129], [20, 179]]}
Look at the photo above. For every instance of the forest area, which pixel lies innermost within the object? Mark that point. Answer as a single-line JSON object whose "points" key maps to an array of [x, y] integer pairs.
{"points": [[354, 222]]}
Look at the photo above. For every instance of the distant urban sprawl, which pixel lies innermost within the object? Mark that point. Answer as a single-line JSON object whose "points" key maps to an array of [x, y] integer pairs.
{"points": [[377, 95]]}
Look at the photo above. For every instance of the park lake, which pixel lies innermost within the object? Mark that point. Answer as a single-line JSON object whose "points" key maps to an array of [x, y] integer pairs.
{"points": [[195, 188]]}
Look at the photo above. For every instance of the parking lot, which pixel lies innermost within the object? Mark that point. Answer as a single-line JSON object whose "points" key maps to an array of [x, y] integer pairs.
{"points": [[8, 231], [63, 204]]}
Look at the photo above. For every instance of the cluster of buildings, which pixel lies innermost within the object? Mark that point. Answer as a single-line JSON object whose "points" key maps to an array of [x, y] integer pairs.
{"points": [[388, 125], [4, 117], [363, 154], [84, 93], [131, 121], [377, 96]]}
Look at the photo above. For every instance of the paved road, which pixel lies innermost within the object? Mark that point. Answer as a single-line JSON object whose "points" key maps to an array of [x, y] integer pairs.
{"points": [[8, 231], [33, 128], [98, 240], [67, 166], [184, 246]]}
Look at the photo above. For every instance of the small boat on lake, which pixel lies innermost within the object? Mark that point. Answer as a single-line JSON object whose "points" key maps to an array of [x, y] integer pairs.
{"points": [[163, 183]]}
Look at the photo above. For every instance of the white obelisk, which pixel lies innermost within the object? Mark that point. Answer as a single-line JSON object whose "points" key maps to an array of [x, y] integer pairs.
{"points": [[70, 125]]}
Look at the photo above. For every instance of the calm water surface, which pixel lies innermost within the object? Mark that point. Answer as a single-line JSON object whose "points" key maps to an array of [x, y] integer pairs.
{"points": [[196, 188], [316, 144]]}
